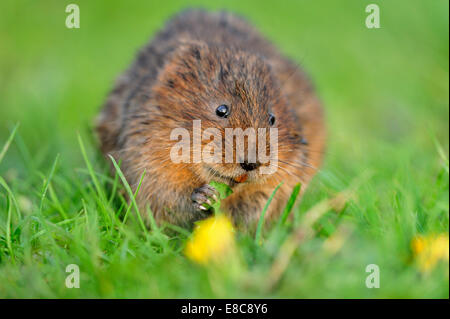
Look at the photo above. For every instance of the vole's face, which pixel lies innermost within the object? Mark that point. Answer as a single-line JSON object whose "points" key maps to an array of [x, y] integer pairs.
{"points": [[230, 104]]}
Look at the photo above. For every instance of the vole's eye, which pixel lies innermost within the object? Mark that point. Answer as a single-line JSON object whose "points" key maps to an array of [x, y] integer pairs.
{"points": [[223, 111], [271, 119]]}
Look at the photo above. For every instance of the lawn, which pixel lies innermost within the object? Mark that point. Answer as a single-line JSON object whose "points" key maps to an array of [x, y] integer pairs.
{"points": [[384, 184]]}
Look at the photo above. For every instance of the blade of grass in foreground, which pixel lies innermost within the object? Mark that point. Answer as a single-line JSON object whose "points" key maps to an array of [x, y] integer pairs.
{"points": [[101, 195], [153, 224], [8, 142], [11, 195], [8, 230], [442, 155], [130, 193], [290, 204], [114, 187], [263, 213], [47, 182], [135, 194], [91, 170]]}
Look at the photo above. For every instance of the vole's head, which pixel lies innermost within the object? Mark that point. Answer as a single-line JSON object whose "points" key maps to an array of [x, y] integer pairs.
{"points": [[238, 102]]}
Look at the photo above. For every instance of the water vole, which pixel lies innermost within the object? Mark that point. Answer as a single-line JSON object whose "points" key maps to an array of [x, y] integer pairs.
{"points": [[216, 68]]}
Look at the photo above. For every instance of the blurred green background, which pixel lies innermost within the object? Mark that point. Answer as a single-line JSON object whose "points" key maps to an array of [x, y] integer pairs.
{"points": [[385, 93]]}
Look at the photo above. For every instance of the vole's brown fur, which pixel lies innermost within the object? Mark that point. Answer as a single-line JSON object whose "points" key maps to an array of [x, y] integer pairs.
{"points": [[199, 61]]}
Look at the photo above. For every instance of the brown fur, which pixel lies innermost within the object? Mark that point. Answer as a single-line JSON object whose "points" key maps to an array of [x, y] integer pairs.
{"points": [[199, 61]]}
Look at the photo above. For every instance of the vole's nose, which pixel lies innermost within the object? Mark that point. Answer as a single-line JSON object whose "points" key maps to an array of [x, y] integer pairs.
{"points": [[246, 166]]}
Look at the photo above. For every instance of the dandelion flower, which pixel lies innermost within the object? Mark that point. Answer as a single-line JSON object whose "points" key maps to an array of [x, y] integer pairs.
{"points": [[429, 250], [211, 240]]}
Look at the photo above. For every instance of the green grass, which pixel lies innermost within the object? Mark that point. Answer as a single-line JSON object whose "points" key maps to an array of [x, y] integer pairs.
{"points": [[385, 92]]}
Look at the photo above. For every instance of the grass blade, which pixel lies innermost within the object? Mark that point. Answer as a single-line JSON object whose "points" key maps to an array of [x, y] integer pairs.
{"points": [[130, 192], [263, 213], [11, 195], [8, 142], [290, 204], [8, 229], [114, 188], [153, 224], [91, 169], [442, 155], [103, 202], [47, 182], [135, 194]]}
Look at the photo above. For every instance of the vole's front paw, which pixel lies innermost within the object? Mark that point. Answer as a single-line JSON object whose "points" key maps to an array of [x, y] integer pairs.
{"points": [[204, 197]]}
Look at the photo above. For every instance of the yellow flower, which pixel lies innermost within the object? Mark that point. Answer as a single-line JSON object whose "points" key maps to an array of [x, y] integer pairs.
{"points": [[211, 240], [430, 249]]}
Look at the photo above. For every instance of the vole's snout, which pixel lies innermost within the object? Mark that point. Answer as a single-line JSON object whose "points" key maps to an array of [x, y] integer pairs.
{"points": [[246, 166]]}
